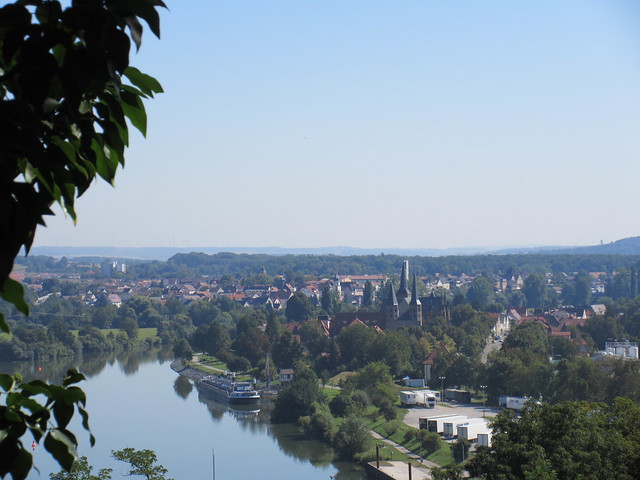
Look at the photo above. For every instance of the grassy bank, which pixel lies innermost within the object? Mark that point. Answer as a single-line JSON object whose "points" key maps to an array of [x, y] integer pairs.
{"points": [[402, 434]]}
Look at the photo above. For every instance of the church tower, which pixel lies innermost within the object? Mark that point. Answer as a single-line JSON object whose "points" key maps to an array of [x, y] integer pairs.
{"points": [[391, 306], [404, 295], [415, 307]]}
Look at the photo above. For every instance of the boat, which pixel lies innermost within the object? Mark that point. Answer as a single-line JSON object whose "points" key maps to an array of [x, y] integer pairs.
{"points": [[235, 393]]}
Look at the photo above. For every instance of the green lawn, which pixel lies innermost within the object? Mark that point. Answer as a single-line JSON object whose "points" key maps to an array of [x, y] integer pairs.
{"points": [[210, 361], [143, 333], [335, 380], [329, 393]]}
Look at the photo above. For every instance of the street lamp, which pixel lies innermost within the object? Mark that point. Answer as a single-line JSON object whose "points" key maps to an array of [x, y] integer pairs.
{"points": [[484, 398], [378, 447], [442, 379]]}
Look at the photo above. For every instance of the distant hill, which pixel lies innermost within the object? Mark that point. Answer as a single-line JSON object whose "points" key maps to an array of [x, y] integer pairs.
{"points": [[164, 253], [625, 246]]}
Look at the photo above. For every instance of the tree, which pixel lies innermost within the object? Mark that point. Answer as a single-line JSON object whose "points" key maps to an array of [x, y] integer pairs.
{"points": [[182, 350], [130, 326], [567, 440], [394, 350], [480, 293], [529, 337], [142, 463], [329, 300], [286, 350], [535, 290], [352, 438], [376, 381], [296, 399], [355, 343], [299, 308], [216, 339], [450, 472], [620, 284], [313, 337], [367, 294], [81, 470], [582, 289], [252, 344], [430, 441], [64, 105]]}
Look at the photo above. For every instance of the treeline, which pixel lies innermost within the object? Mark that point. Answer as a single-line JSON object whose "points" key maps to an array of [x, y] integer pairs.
{"points": [[60, 327], [325, 265]]}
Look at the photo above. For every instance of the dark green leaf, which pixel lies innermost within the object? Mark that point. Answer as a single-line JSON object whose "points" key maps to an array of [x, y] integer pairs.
{"points": [[72, 376], [144, 82], [36, 387], [61, 447], [6, 381], [133, 108], [136, 30], [13, 292], [21, 465], [62, 412], [85, 424]]}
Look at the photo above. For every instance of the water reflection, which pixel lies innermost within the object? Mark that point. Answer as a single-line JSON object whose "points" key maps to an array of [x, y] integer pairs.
{"points": [[53, 370], [252, 420], [293, 444], [182, 386], [250, 417], [256, 419]]}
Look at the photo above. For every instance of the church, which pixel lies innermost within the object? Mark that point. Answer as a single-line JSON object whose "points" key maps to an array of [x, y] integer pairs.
{"points": [[403, 307], [400, 308]]}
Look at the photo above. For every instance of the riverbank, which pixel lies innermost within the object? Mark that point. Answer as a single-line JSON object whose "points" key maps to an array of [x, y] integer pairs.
{"points": [[396, 457]]}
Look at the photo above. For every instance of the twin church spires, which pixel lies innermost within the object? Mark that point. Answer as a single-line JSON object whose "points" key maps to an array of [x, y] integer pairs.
{"points": [[403, 307]]}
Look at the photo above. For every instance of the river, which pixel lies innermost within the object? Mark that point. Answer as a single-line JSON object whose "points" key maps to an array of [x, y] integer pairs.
{"points": [[136, 400]]}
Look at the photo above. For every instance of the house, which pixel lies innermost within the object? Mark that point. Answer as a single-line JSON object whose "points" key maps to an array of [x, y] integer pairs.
{"points": [[286, 375]]}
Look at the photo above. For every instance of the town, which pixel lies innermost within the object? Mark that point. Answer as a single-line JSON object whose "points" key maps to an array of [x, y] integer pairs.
{"points": [[498, 338]]}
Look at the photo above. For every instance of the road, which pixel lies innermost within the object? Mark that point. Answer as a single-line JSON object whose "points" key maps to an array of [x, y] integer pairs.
{"points": [[491, 346]]}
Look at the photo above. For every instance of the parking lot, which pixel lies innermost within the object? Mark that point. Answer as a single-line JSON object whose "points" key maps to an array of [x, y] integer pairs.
{"points": [[447, 408]]}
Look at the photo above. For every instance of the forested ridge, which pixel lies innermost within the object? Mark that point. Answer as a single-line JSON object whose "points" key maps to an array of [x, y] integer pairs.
{"points": [[231, 263]]}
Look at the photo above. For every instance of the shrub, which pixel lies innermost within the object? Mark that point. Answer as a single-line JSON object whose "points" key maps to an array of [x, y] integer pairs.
{"points": [[352, 438], [430, 441], [391, 427], [387, 409]]}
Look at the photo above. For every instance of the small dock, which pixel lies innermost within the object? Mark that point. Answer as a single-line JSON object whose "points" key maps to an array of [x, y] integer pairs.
{"points": [[390, 470]]}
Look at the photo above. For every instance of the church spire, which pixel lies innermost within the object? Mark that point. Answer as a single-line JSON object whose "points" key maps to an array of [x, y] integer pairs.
{"points": [[392, 299], [403, 291], [414, 292]]}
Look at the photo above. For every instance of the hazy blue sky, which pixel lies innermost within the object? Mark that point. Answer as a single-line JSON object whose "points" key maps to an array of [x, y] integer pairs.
{"points": [[411, 124]]}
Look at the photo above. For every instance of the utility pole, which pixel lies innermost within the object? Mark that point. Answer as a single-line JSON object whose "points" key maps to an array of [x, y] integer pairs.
{"points": [[484, 399], [213, 459], [442, 379]]}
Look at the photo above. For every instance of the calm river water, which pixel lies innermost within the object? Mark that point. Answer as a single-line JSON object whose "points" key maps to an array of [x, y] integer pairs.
{"points": [[136, 400]]}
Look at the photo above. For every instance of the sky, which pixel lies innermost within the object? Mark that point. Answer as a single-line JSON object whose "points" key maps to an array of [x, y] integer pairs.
{"points": [[379, 124]]}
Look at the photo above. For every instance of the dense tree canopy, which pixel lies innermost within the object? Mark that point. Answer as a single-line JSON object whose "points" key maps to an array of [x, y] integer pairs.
{"points": [[569, 440]]}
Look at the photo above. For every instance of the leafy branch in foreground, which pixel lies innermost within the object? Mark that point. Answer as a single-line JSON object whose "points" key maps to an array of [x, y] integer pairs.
{"points": [[142, 463], [20, 413], [81, 470], [67, 92]]}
